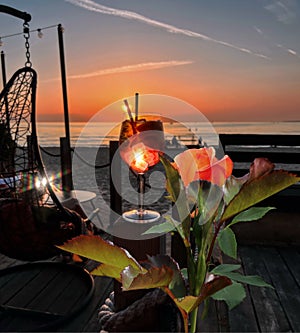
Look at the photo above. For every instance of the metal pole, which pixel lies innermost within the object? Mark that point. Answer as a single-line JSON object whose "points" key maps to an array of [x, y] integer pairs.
{"points": [[66, 157], [3, 68], [15, 12], [63, 80]]}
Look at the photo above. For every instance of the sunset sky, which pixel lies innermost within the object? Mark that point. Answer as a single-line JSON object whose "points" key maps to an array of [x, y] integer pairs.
{"points": [[234, 60]]}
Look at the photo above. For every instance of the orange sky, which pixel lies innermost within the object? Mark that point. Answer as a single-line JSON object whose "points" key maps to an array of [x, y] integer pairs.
{"points": [[233, 60]]}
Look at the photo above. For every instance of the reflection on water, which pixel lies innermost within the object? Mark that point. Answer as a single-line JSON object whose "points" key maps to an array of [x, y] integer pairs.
{"points": [[99, 134]]}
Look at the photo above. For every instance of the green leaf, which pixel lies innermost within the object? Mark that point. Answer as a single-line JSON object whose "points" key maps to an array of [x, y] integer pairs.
{"points": [[173, 179], [253, 280], [177, 193], [257, 190], [227, 242], [209, 200], [225, 268], [169, 225], [251, 214], [232, 295], [232, 187], [95, 248], [184, 273]]}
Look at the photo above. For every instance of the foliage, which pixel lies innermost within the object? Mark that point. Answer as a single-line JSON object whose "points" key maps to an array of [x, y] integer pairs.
{"points": [[209, 200]]}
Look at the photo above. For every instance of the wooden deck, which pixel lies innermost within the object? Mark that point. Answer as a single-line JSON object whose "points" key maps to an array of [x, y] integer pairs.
{"points": [[264, 309], [68, 295]]}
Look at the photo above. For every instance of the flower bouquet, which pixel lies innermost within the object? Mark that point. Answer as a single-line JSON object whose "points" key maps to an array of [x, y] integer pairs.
{"points": [[207, 201]]}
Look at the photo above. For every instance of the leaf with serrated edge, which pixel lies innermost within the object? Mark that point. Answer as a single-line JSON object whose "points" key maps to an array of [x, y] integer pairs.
{"points": [[257, 190], [107, 270], [251, 214], [95, 248], [154, 278], [177, 284], [189, 303]]}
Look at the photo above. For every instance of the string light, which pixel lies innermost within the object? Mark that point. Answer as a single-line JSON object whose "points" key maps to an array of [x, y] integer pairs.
{"points": [[39, 32]]}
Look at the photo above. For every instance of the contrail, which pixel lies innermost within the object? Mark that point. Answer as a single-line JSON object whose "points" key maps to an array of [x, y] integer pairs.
{"points": [[280, 46], [146, 66], [95, 7]]}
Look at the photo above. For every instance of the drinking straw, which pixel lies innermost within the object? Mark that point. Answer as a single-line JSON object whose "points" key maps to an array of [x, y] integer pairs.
{"points": [[128, 110], [130, 115], [136, 106]]}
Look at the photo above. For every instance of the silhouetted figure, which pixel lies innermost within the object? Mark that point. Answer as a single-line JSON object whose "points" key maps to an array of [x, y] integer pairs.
{"points": [[201, 143], [175, 141]]}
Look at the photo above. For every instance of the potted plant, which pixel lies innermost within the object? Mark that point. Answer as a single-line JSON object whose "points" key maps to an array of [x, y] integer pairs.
{"points": [[208, 201]]}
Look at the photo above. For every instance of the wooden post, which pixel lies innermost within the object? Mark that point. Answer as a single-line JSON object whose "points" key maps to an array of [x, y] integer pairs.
{"points": [[63, 80], [116, 200], [138, 248], [66, 165]]}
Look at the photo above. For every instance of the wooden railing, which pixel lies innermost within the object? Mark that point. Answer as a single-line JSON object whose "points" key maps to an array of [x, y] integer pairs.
{"points": [[282, 150]]}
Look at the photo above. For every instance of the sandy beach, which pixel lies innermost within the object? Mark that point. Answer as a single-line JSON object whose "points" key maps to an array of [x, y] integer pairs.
{"points": [[86, 177]]}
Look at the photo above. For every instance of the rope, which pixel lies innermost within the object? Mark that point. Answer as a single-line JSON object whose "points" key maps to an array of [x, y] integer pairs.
{"points": [[111, 321], [87, 163], [48, 153]]}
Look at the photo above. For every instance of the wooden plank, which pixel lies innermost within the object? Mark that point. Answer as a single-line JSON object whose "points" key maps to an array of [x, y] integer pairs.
{"points": [[210, 322], [259, 139], [106, 286], [274, 156], [244, 148], [242, 318], [86, 321], [216, 319], [291, 256], [21, 323], [269, 312], [286, 287], [33, 287], [16, 283], [68, 298], [46, 298]]}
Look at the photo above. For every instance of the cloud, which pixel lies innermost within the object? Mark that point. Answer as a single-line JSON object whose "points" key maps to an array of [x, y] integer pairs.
{"points": [[258, 30], [95, 7], [283, 10], [133, 68], [278, 45], [146, 66]]}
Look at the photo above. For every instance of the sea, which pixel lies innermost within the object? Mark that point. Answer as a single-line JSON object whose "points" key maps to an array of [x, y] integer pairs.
{"points": [[95, 134]]}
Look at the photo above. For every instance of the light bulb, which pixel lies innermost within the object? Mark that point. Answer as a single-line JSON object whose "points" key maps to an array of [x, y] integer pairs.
{"points": [[39, 33]]}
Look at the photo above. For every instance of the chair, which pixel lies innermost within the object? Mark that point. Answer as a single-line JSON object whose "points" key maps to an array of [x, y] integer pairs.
{"points": [[32, 219]]}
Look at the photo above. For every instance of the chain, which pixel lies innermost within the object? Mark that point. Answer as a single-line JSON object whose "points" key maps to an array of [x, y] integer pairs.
{"points": [[26, 36]]}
